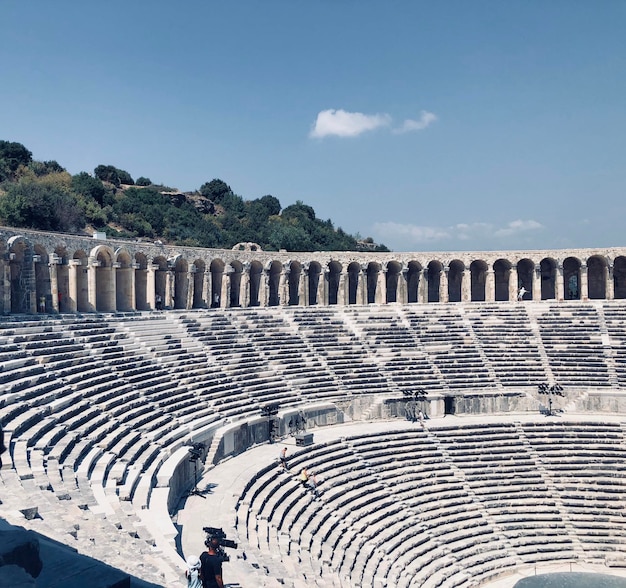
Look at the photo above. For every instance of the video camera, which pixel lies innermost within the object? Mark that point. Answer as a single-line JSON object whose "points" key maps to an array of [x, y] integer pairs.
{"points": [[218, 534]]}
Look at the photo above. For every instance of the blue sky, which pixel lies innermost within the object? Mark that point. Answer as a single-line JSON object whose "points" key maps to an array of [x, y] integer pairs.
{"points": [[429, 126]]}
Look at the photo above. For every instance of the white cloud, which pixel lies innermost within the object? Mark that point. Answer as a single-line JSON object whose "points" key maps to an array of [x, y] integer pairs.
{"points": [[426, 119], [347, 124], [418, 234], [412, 233], [518, 226]]}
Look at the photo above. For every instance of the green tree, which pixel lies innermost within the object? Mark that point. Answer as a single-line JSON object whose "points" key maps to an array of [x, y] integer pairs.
{"points": [[89, 187], [216, 190], [12, 155], [141, 181], [43, 168], [300, 212], [113, 175], [48, 206]]}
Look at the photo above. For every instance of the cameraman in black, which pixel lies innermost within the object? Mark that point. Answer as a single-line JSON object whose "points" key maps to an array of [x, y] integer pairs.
{"points": [[211, 565]]}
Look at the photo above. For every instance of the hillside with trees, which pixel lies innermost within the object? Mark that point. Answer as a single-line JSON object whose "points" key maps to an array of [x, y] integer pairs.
{"points": [[43, 195]]}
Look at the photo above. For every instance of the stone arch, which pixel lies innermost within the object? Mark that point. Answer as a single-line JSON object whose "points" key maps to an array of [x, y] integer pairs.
{"points": [[43, 290], [179, 268], [502, 277], [293, 288], [456, 269], [373, 271], [234, 299], [273, 283], [525, 273], [124, 283], [315, 272], [21, 275], [101, 259], [354, 275], [392, 282], [571, 278], [198, 271], [141, 281], [597, 271], [478, 280], [413, 277], [216, 269], [160, 279], [256, 271], [334, 281], [435, 269], [619, 277], [79, 295], [548, 268]]}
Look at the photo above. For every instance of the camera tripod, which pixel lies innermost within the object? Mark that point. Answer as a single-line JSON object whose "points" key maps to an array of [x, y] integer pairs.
{"points": [[194, 491]]}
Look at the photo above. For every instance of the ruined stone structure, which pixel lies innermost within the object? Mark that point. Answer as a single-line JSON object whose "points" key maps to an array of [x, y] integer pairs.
{"points": [[46, 272]]}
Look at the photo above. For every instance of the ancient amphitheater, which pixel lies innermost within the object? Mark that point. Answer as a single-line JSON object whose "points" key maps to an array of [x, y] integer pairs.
{"points": [[118, 358]]}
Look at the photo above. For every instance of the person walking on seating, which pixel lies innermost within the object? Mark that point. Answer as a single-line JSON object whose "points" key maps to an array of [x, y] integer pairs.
{"points": [[304, 477], [283, 458], [313, 484]]}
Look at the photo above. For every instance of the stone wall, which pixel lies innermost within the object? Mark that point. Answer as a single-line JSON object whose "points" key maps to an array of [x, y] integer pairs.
{"points": [[47, 272]]}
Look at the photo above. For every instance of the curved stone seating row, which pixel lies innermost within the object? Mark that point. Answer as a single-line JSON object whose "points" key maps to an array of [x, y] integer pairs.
{"points": [[93, 407], [85, 373], [589, 478], [443, 507], [358, 529], [615, 318], [100, 445], [504, 333], [458, 347], [571, 336]]}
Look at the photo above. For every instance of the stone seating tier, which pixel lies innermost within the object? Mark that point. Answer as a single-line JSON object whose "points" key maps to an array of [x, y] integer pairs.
{"points": [[54, 410]]}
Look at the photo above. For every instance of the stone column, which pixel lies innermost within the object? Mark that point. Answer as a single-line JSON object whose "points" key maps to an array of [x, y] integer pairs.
{"points": [[342, 298], [92, 268], [584, 282], [361, 286], [537, 283], [381, 286], [74, 268], [169, 288], [225, 293], [443, 285], [466, 286], [322, 288], [206, 288], [53, 264], [304, 286], [151, 285], [422, 296], [609, 280], [490, 286], [244, 286], [133, 285], [6, 285], [560, 295], [402, 293], [191, 285], [513, 285], [114, 267], [283, 287]]}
